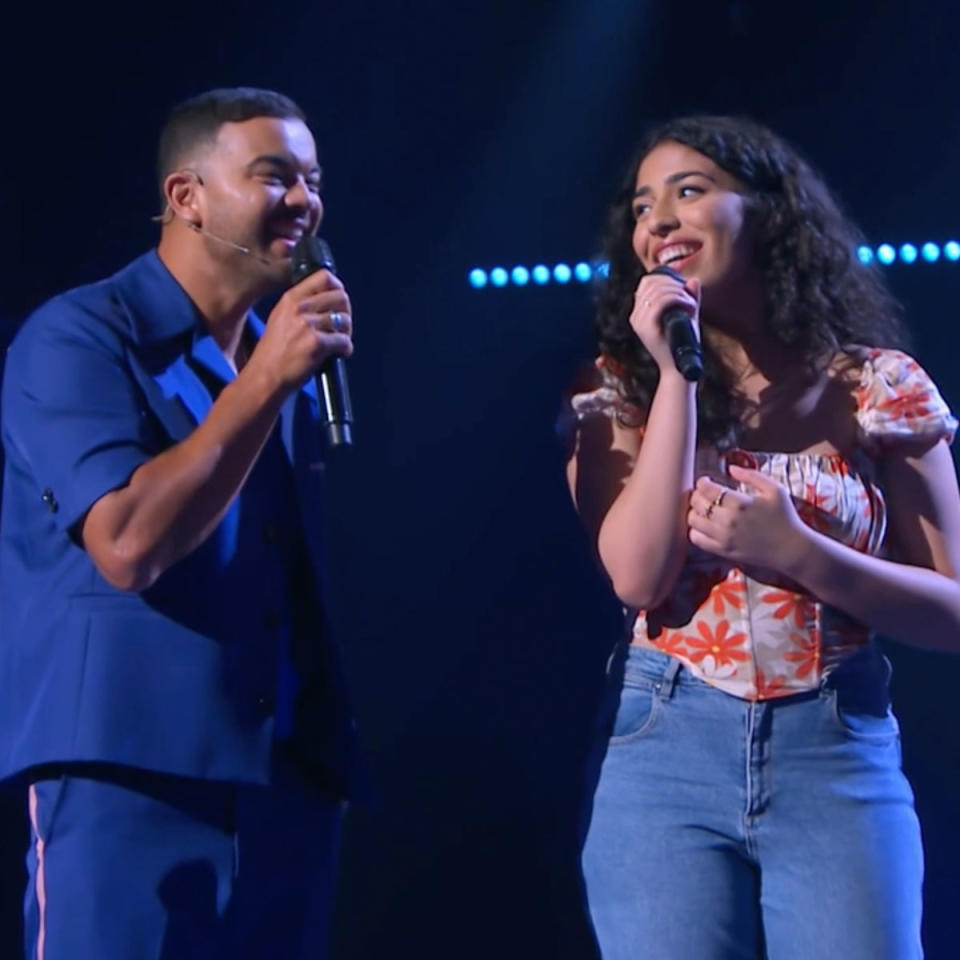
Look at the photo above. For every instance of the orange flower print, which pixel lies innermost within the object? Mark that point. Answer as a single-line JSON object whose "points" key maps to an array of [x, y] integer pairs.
{"points": [[818, 504], [814, 516], [790, 604], [769, 688], [714, 651], [861, 397], [805, 653], [910, 407], [670, 641], [728, 591], [821, 499]]}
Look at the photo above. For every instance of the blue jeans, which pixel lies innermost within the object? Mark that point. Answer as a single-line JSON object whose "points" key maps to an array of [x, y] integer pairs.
{"points": [[725, 829]]}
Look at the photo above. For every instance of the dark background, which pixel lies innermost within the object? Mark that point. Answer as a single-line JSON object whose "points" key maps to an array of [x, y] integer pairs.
{"points": [[456, 134]]}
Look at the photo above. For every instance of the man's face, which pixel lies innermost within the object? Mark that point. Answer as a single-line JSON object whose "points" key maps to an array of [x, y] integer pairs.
{"points": [[260, 190]]}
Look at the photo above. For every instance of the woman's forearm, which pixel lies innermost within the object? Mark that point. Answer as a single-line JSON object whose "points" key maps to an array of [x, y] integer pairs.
{"points": [[910, 603], [643, 538]]}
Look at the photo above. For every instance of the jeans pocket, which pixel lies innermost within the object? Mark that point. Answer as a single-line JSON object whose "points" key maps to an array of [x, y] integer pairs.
{"points": [[636, 713], [871, 724]]}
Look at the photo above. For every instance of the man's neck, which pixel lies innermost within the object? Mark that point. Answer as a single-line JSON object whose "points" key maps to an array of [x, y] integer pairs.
{"points": [[222, 302]]}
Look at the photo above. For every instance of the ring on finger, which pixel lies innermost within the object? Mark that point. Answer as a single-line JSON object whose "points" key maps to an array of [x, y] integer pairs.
{"points": [[716, 502], [338, 321]]}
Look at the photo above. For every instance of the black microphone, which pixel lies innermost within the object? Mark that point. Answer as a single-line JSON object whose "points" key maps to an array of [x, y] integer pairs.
{"points": [[336, 413], [684, 345]]}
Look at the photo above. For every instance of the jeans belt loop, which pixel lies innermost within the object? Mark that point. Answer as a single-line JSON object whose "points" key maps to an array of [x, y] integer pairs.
{"points": [[664, 686]]}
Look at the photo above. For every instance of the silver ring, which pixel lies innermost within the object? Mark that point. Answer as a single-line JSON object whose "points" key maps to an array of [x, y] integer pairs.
{"points": [[338, 322], [645, 302]]}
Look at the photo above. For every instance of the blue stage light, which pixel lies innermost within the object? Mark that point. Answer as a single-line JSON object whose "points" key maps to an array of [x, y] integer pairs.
{"points": [[562, 273], [584, 271]]}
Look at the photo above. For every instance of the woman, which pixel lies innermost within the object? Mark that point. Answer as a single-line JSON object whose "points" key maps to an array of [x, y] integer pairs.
{"points": [[764, 524]]}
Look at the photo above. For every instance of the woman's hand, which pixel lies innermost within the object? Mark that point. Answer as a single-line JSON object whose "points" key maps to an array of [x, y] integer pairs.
{"points": [[654, 295], [761, 527]]}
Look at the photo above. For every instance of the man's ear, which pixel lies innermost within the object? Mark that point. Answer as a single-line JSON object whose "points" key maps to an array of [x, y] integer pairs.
{"points": [[182, 190]]}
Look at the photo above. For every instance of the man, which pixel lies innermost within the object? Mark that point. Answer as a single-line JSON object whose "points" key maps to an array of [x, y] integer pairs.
{"points": [[166, 678]]}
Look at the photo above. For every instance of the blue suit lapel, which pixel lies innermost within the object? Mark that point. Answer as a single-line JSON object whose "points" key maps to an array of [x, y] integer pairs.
{"points": [[163, 326], [180, 382]]}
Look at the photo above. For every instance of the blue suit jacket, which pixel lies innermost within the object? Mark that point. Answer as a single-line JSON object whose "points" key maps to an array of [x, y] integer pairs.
{"points": [[224, 668]]}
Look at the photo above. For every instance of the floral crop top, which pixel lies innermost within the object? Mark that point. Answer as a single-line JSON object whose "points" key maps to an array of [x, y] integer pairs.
{"points": [[746, 631]]}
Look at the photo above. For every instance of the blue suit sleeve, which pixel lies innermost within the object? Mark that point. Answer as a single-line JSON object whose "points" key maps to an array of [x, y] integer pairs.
{"points": [[73, 416]]}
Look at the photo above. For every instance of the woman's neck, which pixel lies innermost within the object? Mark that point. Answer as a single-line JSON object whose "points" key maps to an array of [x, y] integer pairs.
{"points": [[752, 363]]}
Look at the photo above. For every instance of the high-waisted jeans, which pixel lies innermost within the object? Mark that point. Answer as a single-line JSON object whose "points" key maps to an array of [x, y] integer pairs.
{"points": [[726, 829]]}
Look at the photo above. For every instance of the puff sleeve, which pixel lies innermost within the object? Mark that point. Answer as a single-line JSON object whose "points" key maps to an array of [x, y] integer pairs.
{"points": [[897, 401]]}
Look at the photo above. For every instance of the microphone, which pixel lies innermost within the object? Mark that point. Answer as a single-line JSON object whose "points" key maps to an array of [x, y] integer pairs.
{"points": [[336, 413], [684, 345], [230, 243]]}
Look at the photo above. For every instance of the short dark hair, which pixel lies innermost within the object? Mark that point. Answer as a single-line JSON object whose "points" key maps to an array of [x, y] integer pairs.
{"points": [[199, 119]]}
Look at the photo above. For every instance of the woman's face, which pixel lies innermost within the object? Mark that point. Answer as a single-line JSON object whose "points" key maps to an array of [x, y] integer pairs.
{"points": [[692, 216]]}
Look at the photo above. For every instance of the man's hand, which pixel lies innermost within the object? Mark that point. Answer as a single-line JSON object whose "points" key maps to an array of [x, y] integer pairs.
{"points": [[311, 322]]}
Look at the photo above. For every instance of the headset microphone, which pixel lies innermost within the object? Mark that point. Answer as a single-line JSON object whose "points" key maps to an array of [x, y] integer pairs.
{"points": [[230, 243]]}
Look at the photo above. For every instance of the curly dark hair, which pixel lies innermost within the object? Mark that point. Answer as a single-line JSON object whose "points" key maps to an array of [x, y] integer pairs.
{"points": [[819, 297]]}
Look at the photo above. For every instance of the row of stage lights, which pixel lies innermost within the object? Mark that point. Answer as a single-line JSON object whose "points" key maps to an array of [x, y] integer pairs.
{"points": [[583, 272]]}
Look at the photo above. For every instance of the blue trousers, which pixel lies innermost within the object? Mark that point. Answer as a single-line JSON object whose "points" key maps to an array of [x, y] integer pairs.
{"points": [[728, 830], [130, 865]]}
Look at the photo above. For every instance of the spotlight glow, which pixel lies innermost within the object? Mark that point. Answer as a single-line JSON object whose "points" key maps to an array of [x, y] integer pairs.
{"points": [[583, 272], [520, 276], [951, 250], [908, 253], [930, 252], [865, 254], [499, 277], [562, 273], [540, 274], [478, 278], [886, 254]]}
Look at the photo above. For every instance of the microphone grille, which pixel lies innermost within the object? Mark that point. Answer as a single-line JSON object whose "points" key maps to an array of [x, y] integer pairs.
{"points": [[309, 255]]}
